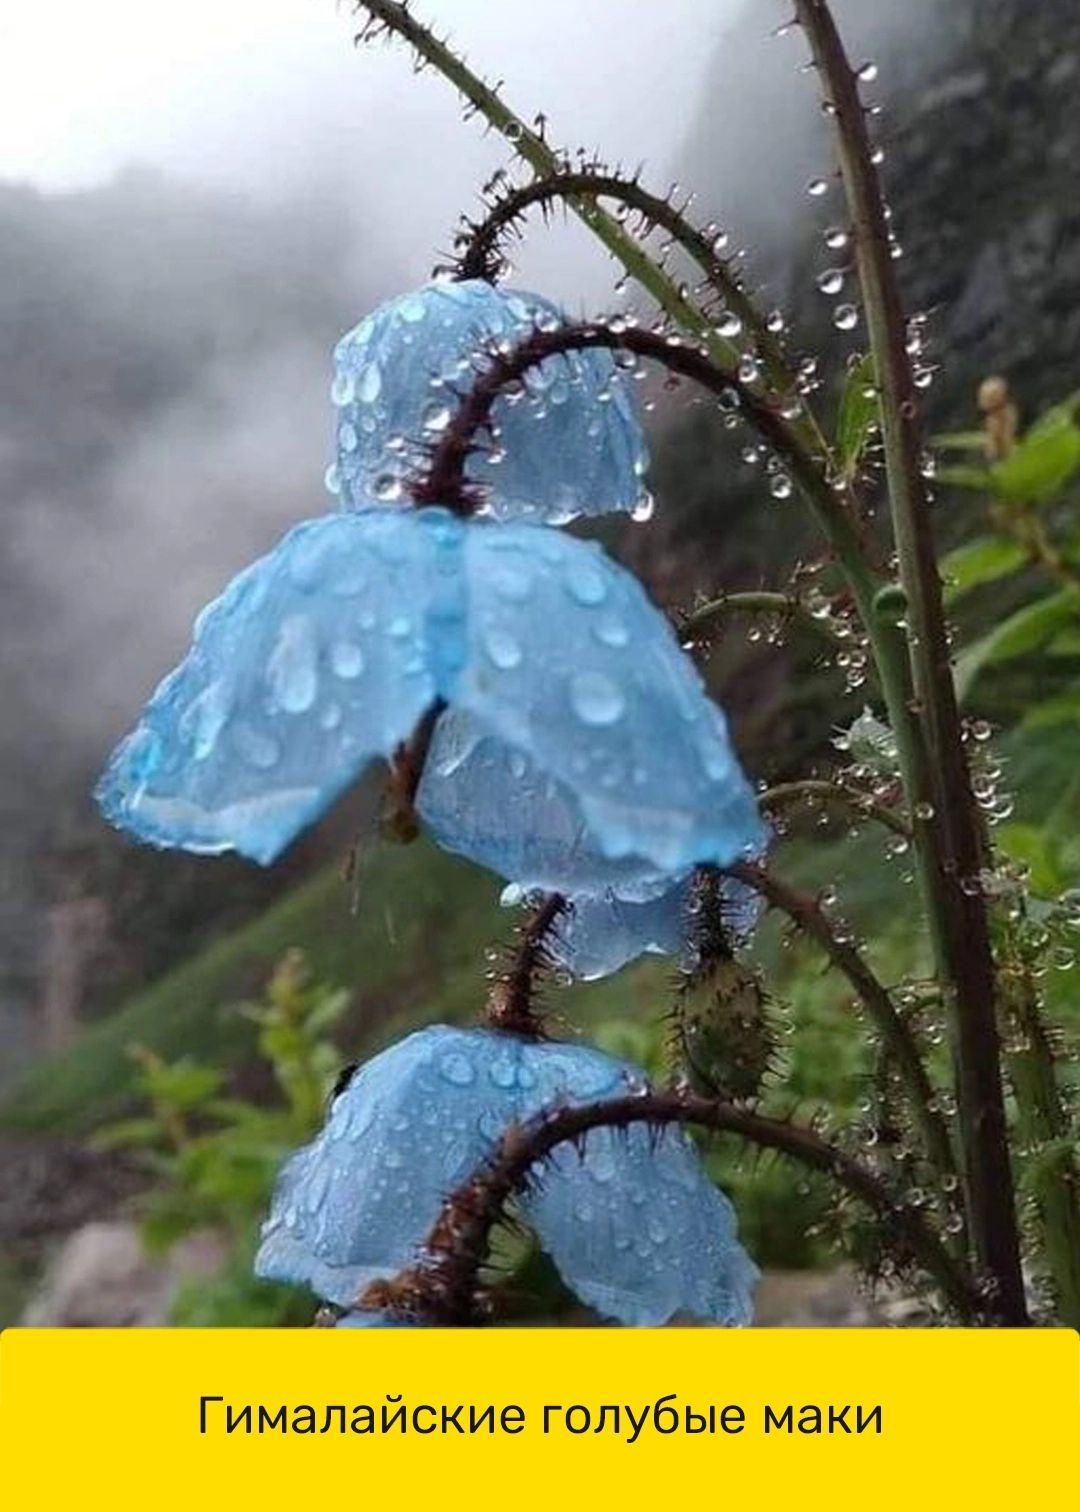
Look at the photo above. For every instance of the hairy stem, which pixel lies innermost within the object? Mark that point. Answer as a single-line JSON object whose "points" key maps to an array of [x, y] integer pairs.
{"points": [[953, 851], [443, 1287], [511, 1004], [861, 805], [808, 915]]}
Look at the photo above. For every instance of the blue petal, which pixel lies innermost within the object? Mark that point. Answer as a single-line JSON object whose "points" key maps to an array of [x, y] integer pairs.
{"points": [[315, 660], [569, 664], [599, 934], [412, 1124], [486, 800], [373, 1320], [571, 445], [639, 1232]]}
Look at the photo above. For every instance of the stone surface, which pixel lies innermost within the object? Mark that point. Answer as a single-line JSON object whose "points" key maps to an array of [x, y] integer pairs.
{"points": [[101, 1277]]}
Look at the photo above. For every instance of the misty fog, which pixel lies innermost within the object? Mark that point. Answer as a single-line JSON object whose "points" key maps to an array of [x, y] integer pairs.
{"points": [[194, 206]]}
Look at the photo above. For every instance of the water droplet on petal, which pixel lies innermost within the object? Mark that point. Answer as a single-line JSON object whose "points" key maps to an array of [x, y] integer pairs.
{"points": [[292, 671], [457, 1069], [596, 700], [585, 584], [502, 649], [347, 659]]}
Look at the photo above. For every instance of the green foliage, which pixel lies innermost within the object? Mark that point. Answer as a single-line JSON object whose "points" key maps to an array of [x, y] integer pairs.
{"points": [[1027, 489], [859, 413], [214, 1158]]}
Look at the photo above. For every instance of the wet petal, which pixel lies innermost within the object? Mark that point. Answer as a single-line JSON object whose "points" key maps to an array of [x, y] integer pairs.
{"points": [[486, 800], [571, 443], [599, 934], [571, 665], [318, 658], [639, 1232], [412, 1124]]}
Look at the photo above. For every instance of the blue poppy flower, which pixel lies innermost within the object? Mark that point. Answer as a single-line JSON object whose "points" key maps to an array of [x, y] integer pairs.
{"points": [[326, 653], [600, 933], [633, 1223], [569, 441]]}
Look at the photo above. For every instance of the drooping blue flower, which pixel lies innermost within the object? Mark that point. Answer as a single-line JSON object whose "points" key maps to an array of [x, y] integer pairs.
{"points": [[570, 442], [634, 1224], [325, 654]]}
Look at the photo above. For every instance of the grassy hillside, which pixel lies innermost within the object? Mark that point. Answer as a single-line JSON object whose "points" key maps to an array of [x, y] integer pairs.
{"points": [[413, 953]]}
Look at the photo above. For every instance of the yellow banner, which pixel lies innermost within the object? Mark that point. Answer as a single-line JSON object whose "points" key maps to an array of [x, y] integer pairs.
{"points": [[553, 1419]]}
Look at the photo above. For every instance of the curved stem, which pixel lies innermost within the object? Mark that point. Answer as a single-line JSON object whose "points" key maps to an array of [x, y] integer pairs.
{"points": [[783, 605], [953, 851], [860, 804], [442, 1288], [805, 912], [480, 255]]}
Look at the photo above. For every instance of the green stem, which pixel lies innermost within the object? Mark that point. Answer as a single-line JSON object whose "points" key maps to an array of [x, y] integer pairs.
{"points": [[951, 848], [807, 914]]}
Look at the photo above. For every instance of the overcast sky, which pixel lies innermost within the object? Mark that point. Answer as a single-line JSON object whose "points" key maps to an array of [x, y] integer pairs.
{"points": [[271, 93]]}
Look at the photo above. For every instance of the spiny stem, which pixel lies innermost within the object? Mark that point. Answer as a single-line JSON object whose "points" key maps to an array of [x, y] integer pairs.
{"points": [[859, 804], [443, 1286], [783, 606], [511, 1004], [809, 916], [955, 853], [480, 255]]}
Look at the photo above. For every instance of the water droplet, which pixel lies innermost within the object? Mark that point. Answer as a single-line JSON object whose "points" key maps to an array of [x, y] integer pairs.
{"points": [[347, 659], [370, 386], [348, 439], [611, 632], [817, 187], [343, 388], [867, 73], [502, 649], [292, 671], [831, 281], [596, 700], [585, 583], [780, 486], [387, 488], [729, 325], [845, 317], [258, 750], [644, 509], [457, 1069]]}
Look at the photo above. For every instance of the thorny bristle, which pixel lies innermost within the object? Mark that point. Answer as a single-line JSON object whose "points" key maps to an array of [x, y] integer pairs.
{"points": [[514, 1001]]}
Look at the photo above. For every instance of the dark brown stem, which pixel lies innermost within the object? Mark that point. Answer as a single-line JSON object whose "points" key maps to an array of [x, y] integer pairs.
{"points": [[397, 817], [481, 256], [445, 483], [954, 853], [443, 1287], [511, 1004], [809, 916]]}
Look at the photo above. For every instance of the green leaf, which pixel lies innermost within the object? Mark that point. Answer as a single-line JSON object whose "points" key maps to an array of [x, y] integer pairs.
{"points": [[1027, 630], [1035, 848], [859, 412], [1063, 708], [1044, 461], [983, 560], [981, 479], [973, 441]]}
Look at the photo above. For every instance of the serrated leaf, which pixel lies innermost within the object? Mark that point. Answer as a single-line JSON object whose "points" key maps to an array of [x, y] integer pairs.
{"points": [[859, 411], [980, 561], [1042, 463], [1027, 630]]}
